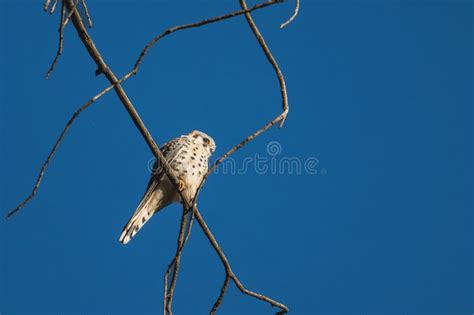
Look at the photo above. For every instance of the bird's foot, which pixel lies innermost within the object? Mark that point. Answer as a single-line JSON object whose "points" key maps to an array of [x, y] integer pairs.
{"points": [[181, 185]]}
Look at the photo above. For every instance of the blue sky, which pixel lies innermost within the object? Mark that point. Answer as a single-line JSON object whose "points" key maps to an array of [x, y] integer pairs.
{"points": [[381, 97]]}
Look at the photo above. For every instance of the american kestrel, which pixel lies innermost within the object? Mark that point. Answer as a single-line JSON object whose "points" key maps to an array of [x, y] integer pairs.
{"points": [[188, 156]]}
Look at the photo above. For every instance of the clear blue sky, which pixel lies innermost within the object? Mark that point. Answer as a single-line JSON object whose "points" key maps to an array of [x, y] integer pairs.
{"points": [[381, 94]]}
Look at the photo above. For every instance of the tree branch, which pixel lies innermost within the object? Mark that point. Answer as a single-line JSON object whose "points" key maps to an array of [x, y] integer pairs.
{"points": [[94, 53], [68, 125], [86, 12], [46, 5], [133, 72], [62, 24], [228, 269], [53, 7], [70, 13], [104, 68], [186, 224], [184, 232], [198, 24], [221, 295], [270, 58], [279, 119], [295, 14]]}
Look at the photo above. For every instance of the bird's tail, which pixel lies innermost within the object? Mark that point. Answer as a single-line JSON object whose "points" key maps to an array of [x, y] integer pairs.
{"points": [[152, 202]]}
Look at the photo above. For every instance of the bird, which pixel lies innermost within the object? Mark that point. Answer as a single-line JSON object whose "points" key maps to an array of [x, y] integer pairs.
{"points": [[188, 156]]}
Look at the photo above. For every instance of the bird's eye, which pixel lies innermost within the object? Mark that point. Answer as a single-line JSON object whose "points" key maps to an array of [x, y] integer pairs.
{"points": [[206, 140]]}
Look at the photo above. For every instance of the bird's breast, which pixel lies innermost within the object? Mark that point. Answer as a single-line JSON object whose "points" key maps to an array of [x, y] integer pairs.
{"points": [[191, 164]]}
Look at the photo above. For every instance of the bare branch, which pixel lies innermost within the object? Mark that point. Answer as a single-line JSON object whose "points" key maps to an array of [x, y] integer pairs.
{"points": [[140, 59], [188, 229], [185, 228], [183, 237], [280, 118], [175, 263], [95, 54], [221, 295], [74, 8], [267, 126], [228, 268], [53, 7], [198, 24], [46, 5], [86, 11], [295, 14], [271, 59], [104, 68], [62, 24], [58, 142]]}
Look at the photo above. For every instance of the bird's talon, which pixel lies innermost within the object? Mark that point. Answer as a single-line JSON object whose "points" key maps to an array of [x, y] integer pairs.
{"points": [[181, 185]]}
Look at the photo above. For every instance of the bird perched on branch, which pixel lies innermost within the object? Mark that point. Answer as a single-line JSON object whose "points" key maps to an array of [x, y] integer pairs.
{"points": [[188, 156]]}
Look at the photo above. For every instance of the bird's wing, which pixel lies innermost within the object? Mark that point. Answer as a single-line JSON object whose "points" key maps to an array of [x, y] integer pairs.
{"points": [[170, 152], [154, 198]]}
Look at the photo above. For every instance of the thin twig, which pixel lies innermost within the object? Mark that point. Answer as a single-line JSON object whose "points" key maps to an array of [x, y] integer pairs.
{"points": [[183, 237], [70, 13], [221, 295], [238, 146], [188, 229], [115, 84], [295, 14], [62, 24], [271, 59], [168, 297], [175, 263], [198, 24], [153, 42], [58, 142], [165, 288], [53, 7], [267, 126], [269, 55], [227, 266], [104, 68], [280, 118], [188, 217], [86, 11], [46, 5]]}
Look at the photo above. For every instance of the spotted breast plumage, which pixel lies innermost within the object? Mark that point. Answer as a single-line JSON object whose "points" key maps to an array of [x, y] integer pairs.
{"points": [[188, 156]]}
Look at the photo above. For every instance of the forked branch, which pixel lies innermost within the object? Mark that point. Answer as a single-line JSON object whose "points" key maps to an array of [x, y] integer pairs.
{"points": [[229, 273], [134, 70], [184, 232], [62, 24], [190, 210], [68, 125]]}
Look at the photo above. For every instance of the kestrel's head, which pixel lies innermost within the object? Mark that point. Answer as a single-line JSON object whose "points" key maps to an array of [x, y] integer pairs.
{"points": [[204, 140]]}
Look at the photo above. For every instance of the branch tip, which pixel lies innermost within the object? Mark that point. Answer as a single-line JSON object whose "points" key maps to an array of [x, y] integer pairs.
{"points": [[53, 7], [46, 5], [295, 14], [187, 216]]}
